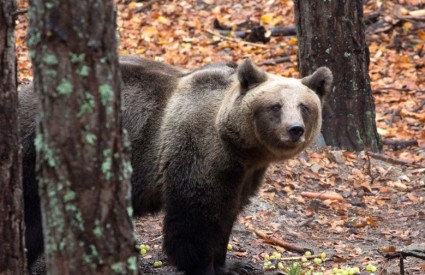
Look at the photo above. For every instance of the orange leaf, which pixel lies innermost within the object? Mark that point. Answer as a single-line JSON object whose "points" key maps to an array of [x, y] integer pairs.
{"points": [[149, 32], [387, 249], [131, 5], [421, 35], [323, 195]]}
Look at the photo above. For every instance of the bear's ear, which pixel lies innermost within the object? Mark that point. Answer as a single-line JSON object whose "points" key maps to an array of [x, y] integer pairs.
{"points": [[249, 75], [320, 81]]}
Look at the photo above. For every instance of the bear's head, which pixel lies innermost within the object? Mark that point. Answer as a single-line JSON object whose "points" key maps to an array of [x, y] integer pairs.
{"points": [[271, 116]]}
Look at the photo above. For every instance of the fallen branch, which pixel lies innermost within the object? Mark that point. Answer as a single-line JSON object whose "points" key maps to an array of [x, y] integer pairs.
{"points": [[391, 160], [253, 31], [235, 40], [419, 107], [418, 252], [306, 222], [276, 31], [369, 170], [276, 61], [400, 143], [327, 195], [284, 31], [397, 254], [154, 239], [395, 89], [286, 245]]}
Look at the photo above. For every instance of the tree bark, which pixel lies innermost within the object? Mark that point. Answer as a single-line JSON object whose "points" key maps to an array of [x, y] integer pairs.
{"points": [[331, 33], [12, 256], [82, 163]]}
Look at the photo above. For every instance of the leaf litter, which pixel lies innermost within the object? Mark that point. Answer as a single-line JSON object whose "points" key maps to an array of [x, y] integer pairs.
{"points": [[353, 206]]}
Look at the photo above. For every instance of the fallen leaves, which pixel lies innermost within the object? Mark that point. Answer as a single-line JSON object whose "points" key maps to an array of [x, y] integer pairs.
{"points": [[374, 202]]}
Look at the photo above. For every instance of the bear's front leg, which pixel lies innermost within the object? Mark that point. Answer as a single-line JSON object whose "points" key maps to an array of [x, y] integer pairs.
{"points": [[201, 203], [189, 242], [222, 266], [197, 227]]}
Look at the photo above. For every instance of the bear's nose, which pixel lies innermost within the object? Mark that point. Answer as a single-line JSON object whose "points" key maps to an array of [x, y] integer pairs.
{"points": [[296, 131]]}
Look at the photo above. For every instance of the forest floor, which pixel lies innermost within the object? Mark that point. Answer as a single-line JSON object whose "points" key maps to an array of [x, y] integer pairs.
{"points": [[378, 200]]}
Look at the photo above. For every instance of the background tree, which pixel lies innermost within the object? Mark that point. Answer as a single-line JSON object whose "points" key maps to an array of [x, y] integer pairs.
{"points": [[331, 33], [82, 166], [12, 256]]}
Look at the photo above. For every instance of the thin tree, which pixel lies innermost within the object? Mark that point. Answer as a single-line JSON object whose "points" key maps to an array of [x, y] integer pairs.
{"points": [[12, 256], [331, 33], [82, 163]]}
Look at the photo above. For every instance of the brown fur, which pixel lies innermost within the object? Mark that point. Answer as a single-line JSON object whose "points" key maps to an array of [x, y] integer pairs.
{"points": [[201, 143]]}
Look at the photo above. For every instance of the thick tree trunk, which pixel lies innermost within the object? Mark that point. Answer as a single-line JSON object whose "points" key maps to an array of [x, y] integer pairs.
{"points": [[12, 256], [82, 166], [331, 33]]}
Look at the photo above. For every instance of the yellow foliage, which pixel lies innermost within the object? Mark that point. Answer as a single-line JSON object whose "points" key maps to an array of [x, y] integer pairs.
{"points": [[163, 20], [141, 51], [132, 5], [277, 20], [407, 26], [266, 18], [293, 41], [404, 59]]}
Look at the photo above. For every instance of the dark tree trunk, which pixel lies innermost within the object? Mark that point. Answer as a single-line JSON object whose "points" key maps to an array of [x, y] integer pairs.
{"points": [[331, 33], [82, 163], [12, 256]]}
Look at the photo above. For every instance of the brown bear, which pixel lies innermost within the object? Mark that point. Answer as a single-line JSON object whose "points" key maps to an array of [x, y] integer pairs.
{"points": [[201, 143]]}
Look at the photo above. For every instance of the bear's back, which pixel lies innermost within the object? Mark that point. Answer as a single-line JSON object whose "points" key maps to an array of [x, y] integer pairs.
{"points": [[147, 86]]}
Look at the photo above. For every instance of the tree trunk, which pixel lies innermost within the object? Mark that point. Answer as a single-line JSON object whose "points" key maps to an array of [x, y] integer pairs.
{"points": [[12, 256], [331, 33], [82, 163]]}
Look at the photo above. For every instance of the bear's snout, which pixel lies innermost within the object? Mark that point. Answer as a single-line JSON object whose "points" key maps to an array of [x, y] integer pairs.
{"points": [[295, 132]]}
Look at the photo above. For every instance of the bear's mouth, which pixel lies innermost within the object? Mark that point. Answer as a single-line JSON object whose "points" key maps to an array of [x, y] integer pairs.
{"points": [[288, 144], [285, 143]]}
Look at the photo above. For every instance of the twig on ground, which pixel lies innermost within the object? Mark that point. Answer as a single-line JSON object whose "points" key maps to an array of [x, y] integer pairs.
{"points": [[407, 253], [391, 160], [418, 187], [369, 170], [418, 252], [275, 241], [307, 221], [284, 31], [400, 143], [236, 40], [276, 61], [395, 89], [419, 107], [401, 265], [154, 239]]}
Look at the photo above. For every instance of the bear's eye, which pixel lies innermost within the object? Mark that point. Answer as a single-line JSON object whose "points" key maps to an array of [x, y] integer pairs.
{"points": [[276, 107], [304, 108]]}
